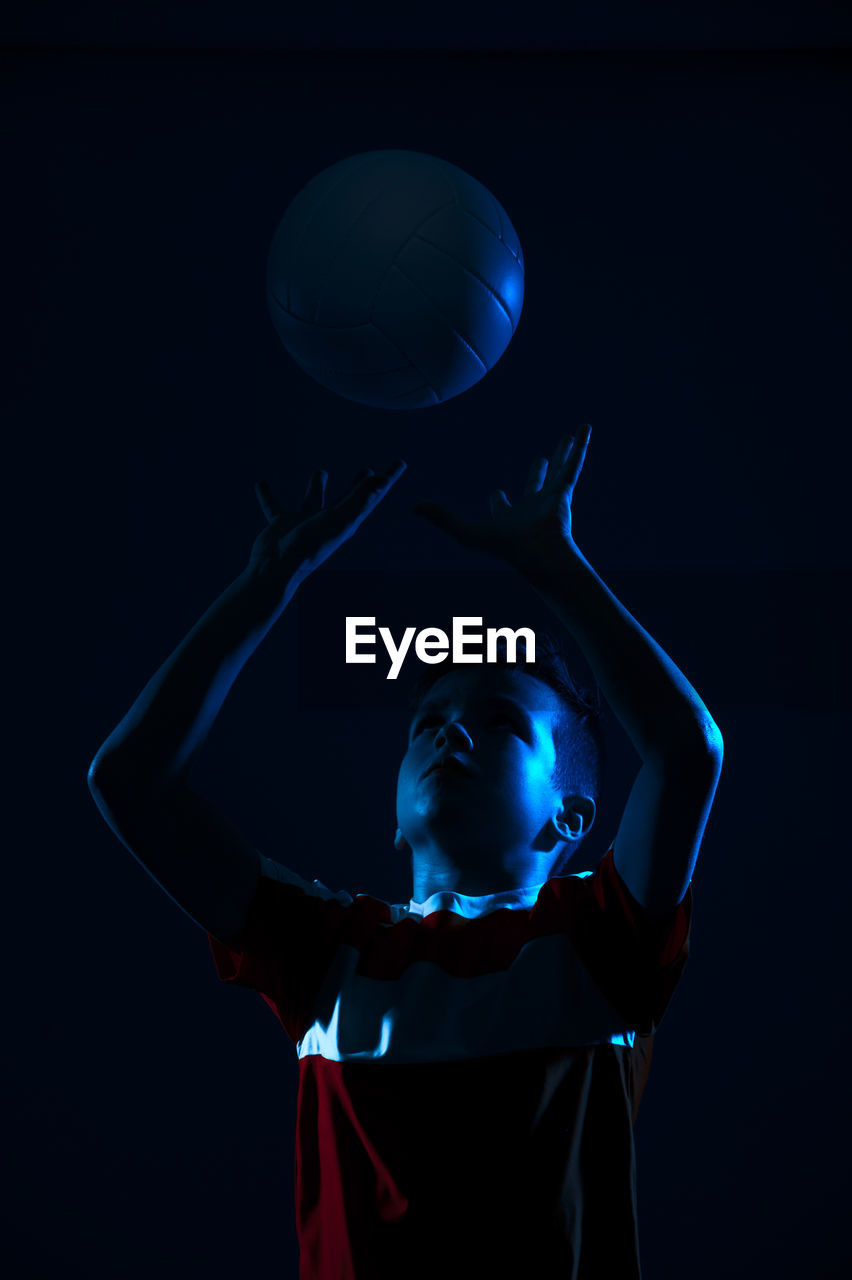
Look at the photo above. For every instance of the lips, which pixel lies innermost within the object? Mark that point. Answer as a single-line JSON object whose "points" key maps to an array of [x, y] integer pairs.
{"points": [[450, 764]]}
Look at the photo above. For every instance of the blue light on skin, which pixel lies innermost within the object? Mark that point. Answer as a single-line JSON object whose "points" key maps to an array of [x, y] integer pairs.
{"points": [[502, 823]]}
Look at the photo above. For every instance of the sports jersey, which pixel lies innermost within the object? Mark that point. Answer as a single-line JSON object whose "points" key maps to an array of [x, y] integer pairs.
{"points": [[469, 1070]]}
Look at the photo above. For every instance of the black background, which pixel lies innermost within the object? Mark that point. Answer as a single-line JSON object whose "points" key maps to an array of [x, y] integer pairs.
{"points": [[677, 180]]}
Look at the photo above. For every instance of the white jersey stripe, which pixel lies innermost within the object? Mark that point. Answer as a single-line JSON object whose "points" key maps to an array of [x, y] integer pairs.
{"points": [[546, 998]]}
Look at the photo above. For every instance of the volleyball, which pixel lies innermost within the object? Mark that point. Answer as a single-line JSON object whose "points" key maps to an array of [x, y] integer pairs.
{"points": [[395, 279]]}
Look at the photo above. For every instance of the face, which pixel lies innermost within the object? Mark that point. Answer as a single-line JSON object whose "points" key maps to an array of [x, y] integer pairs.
{"points": [[491, 804]]}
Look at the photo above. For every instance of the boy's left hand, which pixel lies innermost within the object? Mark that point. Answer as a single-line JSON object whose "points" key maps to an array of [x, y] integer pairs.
{"points": [[534, 533]]}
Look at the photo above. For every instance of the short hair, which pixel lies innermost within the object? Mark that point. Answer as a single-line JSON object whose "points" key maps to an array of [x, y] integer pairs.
{"points": [[578, 734]]}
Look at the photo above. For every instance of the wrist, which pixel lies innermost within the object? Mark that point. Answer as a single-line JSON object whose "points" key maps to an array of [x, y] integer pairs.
{"points": [[550, 568], [265, 588]]}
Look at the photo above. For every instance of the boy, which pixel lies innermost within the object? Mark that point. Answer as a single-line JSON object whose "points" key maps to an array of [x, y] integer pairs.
{"points": [[471, 1063]]}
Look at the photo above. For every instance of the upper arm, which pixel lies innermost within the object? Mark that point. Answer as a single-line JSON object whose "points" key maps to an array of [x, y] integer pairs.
{"points": [[201, 861], [660, 832]]}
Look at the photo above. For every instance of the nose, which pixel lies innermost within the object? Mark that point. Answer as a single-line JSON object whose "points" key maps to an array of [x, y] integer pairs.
{"points": [[455, 736]]}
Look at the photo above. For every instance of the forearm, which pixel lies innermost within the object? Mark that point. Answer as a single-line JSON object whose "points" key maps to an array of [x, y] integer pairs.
{"points": [[159, 736], [656, 705]]}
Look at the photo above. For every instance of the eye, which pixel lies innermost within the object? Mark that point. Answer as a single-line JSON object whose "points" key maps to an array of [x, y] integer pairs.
{"points": [[421, 724], [502, 717]]}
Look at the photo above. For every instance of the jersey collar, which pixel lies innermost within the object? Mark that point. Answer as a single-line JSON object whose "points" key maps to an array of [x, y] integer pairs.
{"points": [[470, 907]]}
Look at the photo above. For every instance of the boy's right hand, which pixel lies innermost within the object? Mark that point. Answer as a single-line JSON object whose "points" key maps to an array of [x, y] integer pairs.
{"points": [[299, 543]]}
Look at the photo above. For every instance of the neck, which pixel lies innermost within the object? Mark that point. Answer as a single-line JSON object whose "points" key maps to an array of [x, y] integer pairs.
{"points": [[441, 875]]}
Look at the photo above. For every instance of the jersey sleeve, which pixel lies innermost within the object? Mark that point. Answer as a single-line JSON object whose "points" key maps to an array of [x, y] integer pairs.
{"points": [[636, 962], [289, 937], [645, 958]]}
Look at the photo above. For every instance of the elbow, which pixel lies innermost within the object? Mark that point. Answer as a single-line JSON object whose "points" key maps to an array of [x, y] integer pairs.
{"points": [[103, 784], [116, 777], [705, 739], [101, 770], [111, 776], [94, 774], [714, 743], [707, 759], [701, 748]]}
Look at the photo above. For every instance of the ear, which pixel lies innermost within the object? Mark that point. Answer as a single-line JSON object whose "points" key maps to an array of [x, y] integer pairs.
{"points": [[400, 841], [575, 817]]}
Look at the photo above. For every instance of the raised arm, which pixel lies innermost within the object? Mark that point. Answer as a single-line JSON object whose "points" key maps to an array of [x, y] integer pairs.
{"points": [[139, 776], [676, 738]]}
